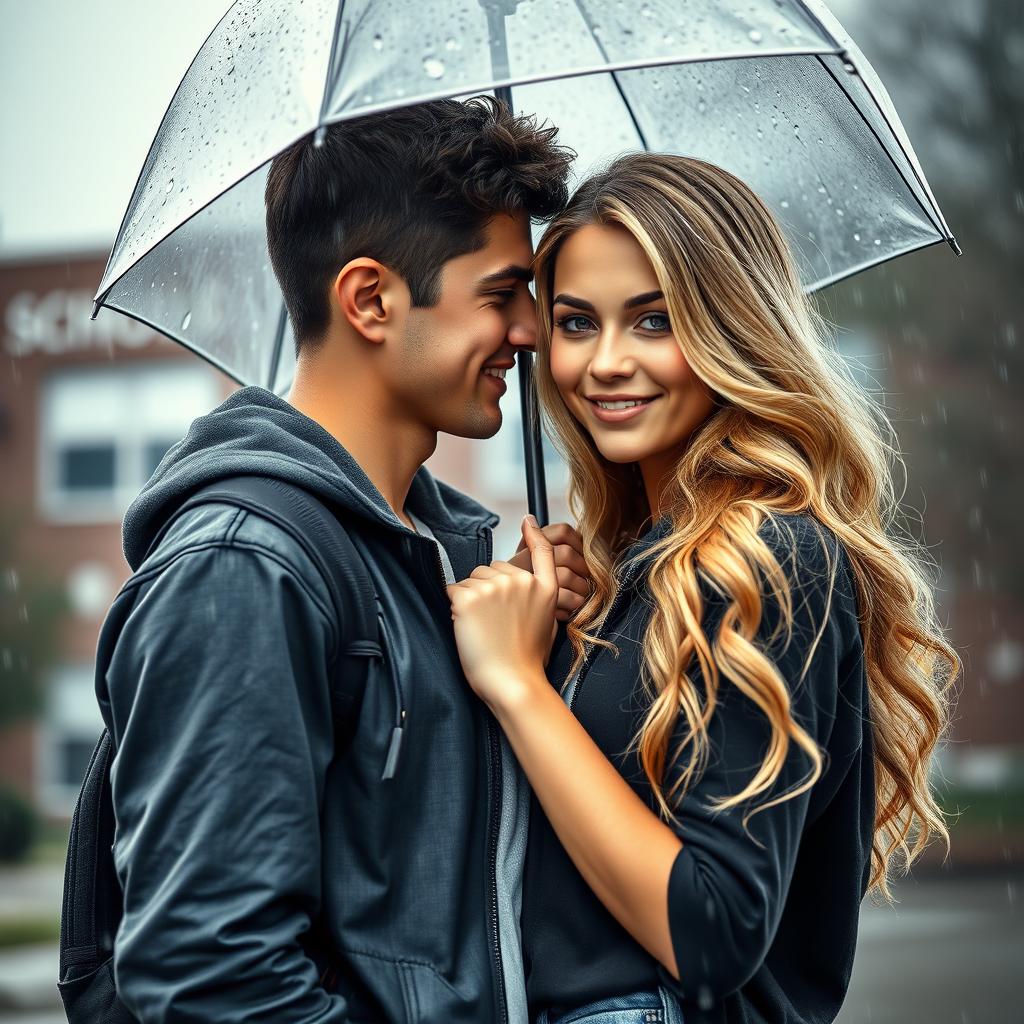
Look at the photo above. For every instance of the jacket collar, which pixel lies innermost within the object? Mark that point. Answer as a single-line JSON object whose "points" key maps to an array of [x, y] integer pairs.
{"points": [[654, 533]]}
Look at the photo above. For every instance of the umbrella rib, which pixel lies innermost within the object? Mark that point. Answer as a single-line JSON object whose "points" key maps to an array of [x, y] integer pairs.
{"points": [[334, 64], [275, 355], [629, 110], [941, 226], [142, 170], [614, 75], [946, 234]]}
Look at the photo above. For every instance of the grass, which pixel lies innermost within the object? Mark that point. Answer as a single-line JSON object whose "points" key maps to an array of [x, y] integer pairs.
{"points": [[982, 810], [26, 929], [51, 845]]}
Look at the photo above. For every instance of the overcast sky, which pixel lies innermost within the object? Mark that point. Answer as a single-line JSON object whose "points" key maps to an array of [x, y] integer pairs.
{"points": [[85, 86]]}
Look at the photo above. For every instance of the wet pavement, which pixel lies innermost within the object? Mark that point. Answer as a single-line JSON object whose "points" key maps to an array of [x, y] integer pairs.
{"points": [[951, 952]]}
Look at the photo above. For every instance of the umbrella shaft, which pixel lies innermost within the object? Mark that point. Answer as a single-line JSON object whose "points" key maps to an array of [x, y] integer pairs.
{"points": [[533, 450]]}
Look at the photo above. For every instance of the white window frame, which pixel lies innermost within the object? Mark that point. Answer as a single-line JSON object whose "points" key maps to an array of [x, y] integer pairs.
{"points": [[197, 393]]}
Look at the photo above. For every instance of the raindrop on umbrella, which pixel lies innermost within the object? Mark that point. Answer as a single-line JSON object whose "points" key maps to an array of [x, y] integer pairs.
{"points": [[433, 67]]}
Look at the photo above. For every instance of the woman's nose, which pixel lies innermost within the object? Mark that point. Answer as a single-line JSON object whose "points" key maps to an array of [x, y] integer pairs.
{"points": [[611, 358]]}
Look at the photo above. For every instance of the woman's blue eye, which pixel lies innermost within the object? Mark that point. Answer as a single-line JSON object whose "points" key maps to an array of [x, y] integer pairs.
{"points": [[566, 324], [661, 322]]}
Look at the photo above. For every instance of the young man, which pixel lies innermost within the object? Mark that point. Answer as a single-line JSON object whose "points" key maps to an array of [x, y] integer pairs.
{"points": [[402, 246]]}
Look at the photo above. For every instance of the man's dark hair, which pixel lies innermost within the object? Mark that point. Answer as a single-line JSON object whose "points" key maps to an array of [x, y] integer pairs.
{"points": [[411, 188]]}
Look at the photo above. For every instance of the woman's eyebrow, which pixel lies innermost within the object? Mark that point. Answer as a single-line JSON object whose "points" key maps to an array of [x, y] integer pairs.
{"points": [[642, 300], [637, 300], [569, 300]]}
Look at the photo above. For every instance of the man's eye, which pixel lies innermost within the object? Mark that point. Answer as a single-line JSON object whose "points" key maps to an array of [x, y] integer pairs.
{"points": [[657, 322], [574, 324], [502, 297]]}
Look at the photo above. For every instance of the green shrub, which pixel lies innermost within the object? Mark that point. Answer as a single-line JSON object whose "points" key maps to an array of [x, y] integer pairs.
{"points": [[28, 930], [18, 825]]}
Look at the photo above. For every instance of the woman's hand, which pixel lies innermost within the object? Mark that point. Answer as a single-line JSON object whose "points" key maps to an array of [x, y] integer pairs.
{"points": [[570, 567], [505, 621]]}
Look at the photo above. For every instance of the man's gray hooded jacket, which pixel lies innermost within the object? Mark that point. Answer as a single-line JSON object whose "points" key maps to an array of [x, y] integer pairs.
{"points": [[236, 825]]}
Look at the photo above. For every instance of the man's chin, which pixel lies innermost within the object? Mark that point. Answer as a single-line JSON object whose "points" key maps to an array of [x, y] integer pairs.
{"points": [[480, 426]]}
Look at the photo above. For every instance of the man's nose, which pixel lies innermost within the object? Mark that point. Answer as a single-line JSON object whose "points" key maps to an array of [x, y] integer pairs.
{"points": [[523, 334]]}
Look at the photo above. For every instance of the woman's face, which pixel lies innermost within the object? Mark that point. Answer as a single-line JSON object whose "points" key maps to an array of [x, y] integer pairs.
{"points": [[612, 343]]}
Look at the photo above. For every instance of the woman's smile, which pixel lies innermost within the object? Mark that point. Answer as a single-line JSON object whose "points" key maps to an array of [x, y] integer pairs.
{"points": [[618, 409]]}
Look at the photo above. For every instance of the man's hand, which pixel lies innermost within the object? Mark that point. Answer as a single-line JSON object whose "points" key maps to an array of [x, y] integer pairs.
{"points": [[570, 568]]}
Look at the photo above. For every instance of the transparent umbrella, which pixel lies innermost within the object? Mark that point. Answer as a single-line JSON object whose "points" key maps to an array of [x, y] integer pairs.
{"points": [[774, 91]]}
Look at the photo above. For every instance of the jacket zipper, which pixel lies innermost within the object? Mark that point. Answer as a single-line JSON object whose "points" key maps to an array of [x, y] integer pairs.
{"points": [[494, 773], [494, 765]]}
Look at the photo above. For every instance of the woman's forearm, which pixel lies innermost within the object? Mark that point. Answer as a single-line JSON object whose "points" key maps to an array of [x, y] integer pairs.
{"points": [[620, 847]]}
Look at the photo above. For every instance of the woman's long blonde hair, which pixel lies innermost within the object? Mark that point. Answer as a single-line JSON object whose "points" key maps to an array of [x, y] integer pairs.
{"points": [[791, 432]]}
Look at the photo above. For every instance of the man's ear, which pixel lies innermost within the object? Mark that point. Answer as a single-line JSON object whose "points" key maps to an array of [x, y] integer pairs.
{"points": [[371, 297]]}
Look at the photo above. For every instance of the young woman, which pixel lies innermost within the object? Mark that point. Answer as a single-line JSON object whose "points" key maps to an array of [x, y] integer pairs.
{"points": [[736, 744]]}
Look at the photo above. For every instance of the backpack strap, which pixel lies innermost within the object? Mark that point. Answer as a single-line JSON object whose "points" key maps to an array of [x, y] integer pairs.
{"points": [[320, 533], [89, 918]]}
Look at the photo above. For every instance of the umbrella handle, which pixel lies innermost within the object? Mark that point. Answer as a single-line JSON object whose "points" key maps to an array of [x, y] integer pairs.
{"points": [[533, 451]]}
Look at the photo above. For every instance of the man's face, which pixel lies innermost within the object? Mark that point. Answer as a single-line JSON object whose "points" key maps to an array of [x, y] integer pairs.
{"points": [[442, 369]]}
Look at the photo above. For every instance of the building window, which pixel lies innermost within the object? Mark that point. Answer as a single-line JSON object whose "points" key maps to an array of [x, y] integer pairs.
{"points": [[85, 467], [105, 429]]}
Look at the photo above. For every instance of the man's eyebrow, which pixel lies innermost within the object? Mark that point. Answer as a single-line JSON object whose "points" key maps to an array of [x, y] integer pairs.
{"points": [[512, 272], [637, 300]]}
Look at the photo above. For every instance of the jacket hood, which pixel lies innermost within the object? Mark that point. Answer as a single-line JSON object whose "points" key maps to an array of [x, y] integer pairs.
{"points": [[256, 432]]}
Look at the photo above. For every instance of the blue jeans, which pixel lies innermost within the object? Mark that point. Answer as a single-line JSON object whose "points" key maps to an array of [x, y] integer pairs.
{"points": [[658, 1007]]}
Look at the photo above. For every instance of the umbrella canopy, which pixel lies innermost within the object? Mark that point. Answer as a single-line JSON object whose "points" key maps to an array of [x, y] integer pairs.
{"points": [[775, 92]]}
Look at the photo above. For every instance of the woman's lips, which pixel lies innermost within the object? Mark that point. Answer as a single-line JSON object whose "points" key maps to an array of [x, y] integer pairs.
{"points": [[619, 415]]}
